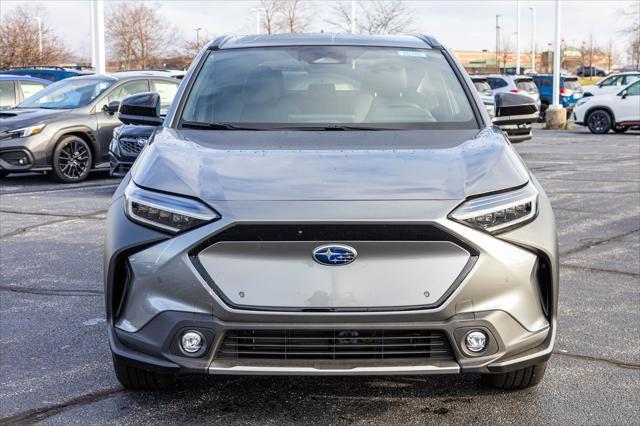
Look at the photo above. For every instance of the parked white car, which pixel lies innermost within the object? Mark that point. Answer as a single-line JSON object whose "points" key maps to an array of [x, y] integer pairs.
{"points": [[612, 84], [617, 111]]}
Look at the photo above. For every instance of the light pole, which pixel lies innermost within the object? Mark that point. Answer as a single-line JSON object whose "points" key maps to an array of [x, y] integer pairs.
{"points": [[498, 43], [258, 10], [98, 57], [37, 18], [197, 30], [533, 39], [517, 37]]}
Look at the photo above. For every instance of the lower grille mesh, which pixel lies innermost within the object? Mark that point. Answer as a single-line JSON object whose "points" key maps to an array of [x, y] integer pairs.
{"points": [[131, 145], [335, 344]]}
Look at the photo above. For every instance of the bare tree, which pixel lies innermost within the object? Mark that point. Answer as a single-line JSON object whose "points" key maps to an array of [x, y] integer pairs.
{"points": [[506, 51], [632, 30], [193, 47], [19, 39], [612, 55], [374, 17], [270, 10], [137, 34], [293, 16]]}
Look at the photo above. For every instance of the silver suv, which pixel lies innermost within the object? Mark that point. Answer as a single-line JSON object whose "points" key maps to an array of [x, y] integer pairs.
{"points": [[514, 84], [329, 205], [66, 128]]}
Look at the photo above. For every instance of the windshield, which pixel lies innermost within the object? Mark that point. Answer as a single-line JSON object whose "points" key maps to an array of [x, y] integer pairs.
{"points": [[571, 84], [67, 94], [527, 86], [318, 86], [483, 87]]}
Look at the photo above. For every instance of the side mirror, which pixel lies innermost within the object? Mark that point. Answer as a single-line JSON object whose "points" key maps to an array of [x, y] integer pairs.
{"points": [[623, 94], [514, 114], [112, 108], [142, 109]]}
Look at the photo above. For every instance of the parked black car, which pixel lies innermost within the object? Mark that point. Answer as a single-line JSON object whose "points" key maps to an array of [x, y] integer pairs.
{"points": [[590, 72], [128, 141]]}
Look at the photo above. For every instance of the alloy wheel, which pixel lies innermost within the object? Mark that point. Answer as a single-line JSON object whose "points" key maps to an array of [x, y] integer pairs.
{"points": [[73, 160], [599, 122]]}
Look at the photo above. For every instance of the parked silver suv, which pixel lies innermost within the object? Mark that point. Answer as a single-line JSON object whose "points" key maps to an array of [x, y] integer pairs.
{"points": [[66, 128], [514, 84], [329, 205]]}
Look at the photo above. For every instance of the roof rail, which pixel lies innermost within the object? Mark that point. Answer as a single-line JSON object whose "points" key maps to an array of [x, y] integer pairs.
{"points": [[430, 40], [218, 42]]}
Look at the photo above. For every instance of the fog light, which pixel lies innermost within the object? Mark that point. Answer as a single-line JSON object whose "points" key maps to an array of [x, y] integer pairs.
{"points": [[476, 341], [191, 342]]}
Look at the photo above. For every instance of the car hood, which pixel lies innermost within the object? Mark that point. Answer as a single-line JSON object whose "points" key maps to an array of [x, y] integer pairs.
{"points": [[16, 118], [329, 165]]}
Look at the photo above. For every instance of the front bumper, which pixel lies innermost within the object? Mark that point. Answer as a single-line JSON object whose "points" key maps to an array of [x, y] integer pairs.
{"points": [[25, 154], [504, 294]]}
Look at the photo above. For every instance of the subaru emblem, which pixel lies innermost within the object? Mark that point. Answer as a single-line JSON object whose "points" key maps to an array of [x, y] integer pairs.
{"points": [[334, 254]]}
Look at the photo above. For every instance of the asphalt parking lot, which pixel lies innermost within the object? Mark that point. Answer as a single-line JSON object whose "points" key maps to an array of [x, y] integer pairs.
{"points": [[55, 364]]}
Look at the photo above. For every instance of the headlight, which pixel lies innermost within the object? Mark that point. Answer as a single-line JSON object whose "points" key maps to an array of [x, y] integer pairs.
{"points": [[583, 101], [26, 131], [498, 212], [168, 213]]}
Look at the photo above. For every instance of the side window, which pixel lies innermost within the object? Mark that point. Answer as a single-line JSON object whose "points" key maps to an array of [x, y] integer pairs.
{"points": [[628, 79], [500, 83], [123, 91], [30, 88], [128, 89], [167, 91], [7, 93], [634, 90], [608, 81]]}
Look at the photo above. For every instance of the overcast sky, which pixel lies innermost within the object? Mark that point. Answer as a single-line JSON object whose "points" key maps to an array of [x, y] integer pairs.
{"points": [[462, 24]]}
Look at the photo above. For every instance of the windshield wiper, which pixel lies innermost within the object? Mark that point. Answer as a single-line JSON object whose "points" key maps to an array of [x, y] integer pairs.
{"points": [[214, 126], [331, 127]]}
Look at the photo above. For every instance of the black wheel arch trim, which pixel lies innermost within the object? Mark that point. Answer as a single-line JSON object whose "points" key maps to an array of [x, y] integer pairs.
{"points": [[89, 133], [601, 107]]}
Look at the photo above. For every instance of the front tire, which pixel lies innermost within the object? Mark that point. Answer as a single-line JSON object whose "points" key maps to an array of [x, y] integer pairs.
{"points": [[135, 378], [518, 379], [599, 122], [72, 160]]}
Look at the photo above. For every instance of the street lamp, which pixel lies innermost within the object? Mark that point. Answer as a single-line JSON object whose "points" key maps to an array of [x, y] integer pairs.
{"points": [[37, 18], [498, 43], [533, 39], [257, 10], [517, 37], [197, 30]]}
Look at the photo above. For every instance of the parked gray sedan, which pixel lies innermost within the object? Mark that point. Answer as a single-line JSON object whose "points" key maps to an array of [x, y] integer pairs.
{"points": [[67, 127], [329, 205]]}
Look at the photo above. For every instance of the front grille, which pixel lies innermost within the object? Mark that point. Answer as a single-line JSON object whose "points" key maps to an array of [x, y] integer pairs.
{"points": [[335, 345], [131, 145]]}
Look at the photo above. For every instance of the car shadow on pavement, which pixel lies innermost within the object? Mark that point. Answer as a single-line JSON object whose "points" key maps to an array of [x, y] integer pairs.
{"points": [[293, 399]]}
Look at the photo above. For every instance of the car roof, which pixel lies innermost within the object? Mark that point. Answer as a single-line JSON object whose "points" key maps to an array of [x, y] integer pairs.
{"points": [[324, 39], [127, 75], [141, 73], [13, 77]]}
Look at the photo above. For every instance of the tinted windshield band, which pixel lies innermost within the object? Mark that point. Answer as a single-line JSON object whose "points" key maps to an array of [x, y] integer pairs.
{"points": [[314, 86]]}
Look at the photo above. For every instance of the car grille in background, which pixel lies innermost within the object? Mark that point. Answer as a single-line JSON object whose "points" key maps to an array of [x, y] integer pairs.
{"points": [[131, 145], [335, 345]]}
